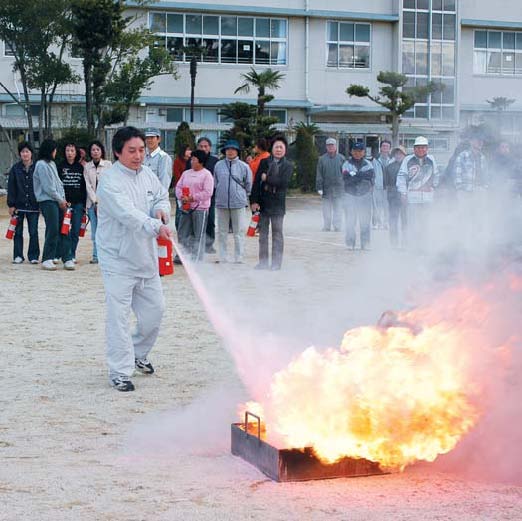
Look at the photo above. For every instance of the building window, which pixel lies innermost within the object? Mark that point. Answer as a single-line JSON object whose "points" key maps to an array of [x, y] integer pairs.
{"points": [[348, 45], [497, 52], [222, 39], [428, 54], [7, 50], [280, 114], [436, 144], [14, 110]]}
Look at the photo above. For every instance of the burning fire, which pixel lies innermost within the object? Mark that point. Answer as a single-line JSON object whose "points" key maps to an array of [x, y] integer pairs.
{"points": [[403, 391]]}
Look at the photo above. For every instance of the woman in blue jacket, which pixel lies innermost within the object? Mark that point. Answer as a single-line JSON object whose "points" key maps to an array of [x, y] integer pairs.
{"points": [[22, 202]]}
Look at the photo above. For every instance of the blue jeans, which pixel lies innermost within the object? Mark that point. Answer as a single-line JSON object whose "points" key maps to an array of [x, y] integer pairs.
{"points": [[18, 244], [93, 218], [64, 250], [76, 222], [51, 213]]}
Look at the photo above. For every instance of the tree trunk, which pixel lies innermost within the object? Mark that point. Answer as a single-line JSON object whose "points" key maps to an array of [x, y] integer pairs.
{"points": [[395, 130], [41, 116], [89, 108], [27, 106]]}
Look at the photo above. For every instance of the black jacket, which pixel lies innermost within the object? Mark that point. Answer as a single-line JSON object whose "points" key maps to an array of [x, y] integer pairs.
{"points": [[390, 180], [271, 194], [73, 182], [358, 176], [20, 191]]}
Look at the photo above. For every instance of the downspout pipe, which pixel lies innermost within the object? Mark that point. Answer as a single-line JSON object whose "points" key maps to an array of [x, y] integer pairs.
{"points": [[307, 56]]}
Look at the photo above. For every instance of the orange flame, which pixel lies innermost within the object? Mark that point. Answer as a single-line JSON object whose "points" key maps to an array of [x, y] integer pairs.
{"points": [[393, 395]]}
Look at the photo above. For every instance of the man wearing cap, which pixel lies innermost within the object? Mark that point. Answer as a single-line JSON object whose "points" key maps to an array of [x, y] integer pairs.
{"points": [[157, 159], [358, 177], [396, 209], [233, 184], [416, 181], [329, 185]]}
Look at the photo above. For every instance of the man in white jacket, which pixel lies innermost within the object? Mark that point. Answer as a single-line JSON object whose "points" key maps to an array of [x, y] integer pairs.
{"points": [[133, 210]]}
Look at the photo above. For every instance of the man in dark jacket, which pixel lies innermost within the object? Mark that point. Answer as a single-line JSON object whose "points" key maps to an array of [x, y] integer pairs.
{"points": [[22, 202], [329, 185], [358, 176], [396, 208], [269, 197]]}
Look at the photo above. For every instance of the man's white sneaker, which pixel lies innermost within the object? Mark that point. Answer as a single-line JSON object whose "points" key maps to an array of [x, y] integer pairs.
{"points": [[34, 261], [18, 260], [69, 265], [56, 261], [48, 265]]}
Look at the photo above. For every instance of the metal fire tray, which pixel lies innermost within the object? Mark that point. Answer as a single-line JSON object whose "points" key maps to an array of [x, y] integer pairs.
{"points": [[291, 464]]}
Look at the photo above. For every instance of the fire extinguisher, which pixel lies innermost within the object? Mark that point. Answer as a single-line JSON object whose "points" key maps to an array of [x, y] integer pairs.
{"points": [[166, 266], [83, 225], [66, 223], [185, 192], [253, 224], [9, 234]]}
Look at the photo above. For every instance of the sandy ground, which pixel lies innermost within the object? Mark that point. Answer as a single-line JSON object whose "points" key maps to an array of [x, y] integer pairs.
{"points": [[72, 448]]}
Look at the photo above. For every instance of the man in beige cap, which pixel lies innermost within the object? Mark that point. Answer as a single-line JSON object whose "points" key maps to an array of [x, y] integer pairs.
{"points": [[329, 185]]}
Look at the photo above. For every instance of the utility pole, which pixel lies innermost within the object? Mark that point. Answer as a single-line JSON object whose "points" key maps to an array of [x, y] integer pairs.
{"points": [[193, 72]]}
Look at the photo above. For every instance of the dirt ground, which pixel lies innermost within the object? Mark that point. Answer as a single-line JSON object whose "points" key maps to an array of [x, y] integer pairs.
{"points": [[72, 448]]}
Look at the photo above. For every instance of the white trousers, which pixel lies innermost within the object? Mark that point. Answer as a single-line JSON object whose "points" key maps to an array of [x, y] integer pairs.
{"points": [[144, 297], [236, 216]]}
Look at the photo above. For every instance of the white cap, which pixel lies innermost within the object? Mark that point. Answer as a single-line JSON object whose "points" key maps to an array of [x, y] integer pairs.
{"points": [[331, 141], [420, 141]]}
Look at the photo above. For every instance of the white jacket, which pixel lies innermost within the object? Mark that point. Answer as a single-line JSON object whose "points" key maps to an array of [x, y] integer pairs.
{"points": [[127, 229]]}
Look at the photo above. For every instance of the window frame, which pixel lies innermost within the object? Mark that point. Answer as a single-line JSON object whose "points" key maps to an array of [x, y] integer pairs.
{"points": [[503, 52], [279, 41], [355, 43]]}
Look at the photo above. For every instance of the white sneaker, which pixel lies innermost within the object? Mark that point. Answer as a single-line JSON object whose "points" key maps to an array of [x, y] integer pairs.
{"points": [[69, 265], [74, 260], [48, 265], [55, 261], [18, 260], [34, 261]]}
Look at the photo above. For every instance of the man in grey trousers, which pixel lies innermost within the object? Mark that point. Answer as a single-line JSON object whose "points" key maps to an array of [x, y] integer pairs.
{"points": [[329, 185]]}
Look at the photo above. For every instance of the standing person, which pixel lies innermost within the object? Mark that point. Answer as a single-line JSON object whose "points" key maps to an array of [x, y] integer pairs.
{"points": [[505, 170], [380, 215], [358, 177], [22, 202], [396, 209], [157, 159], [470, 168], [133, 209], [71, 174], [329, 185], [181, 163], [416, 181], [91, 173], [49, 192], [269, 197], [205, 145], [233, 181], [261, 152], [193, 222]]}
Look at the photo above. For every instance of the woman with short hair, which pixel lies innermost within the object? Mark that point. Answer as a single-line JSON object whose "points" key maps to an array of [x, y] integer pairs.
{"points": [[92, 172], [22, 203]]}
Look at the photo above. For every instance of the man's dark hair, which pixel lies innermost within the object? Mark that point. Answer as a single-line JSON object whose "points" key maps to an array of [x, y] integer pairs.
{"points": [[72, 144], [123, 135], [385, 141], [25, 144], [99, 144], [262, 144], [47, 148], [281, 138], [200, 155], [204, 138]]}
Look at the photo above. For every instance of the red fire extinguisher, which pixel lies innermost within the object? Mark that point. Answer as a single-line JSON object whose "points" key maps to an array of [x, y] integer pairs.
{"points": [[9, 234], [253, 224], [185, 192], [166, 266], [83, 225], [66, 223]]}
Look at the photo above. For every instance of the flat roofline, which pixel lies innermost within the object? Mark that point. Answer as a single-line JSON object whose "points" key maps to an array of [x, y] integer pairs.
{"points": [[270, 11], [492, 24], [212, 102], [328, 109]]}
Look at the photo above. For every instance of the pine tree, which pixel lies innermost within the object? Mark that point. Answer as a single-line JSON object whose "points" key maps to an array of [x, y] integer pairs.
{"points": [[306, 157], [184, 136]]}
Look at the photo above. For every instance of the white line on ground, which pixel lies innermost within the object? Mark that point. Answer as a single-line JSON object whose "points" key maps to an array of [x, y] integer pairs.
{"points": [[339, 245]]}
